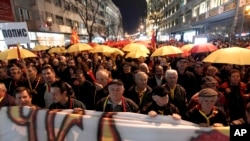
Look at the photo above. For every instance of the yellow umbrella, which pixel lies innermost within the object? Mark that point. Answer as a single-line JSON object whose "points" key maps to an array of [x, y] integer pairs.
{"points": [[136, 54], [136, 47], [79, 47], [186, 48], [167, 50], [57, 50], [40, 47], [232, 55], [116, 51], [101, 49], [13, 54]]}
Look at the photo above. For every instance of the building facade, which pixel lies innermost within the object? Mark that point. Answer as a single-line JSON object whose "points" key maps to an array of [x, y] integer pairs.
{"points": [[50, 22], [185, 19]]}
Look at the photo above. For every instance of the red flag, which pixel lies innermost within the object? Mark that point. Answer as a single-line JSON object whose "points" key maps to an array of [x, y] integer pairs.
{"points": [[153, 41], [18, 53], [74, 37], [91, 74]]}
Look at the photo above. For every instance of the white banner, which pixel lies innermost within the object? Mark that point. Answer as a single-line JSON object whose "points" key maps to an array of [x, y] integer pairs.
{"points": [[24, 124], [15, 33]]}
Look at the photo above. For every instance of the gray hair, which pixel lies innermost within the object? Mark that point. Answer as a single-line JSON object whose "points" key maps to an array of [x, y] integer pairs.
{"points": [[103, 73], [140, 73], [170, 72], [3, 87]]}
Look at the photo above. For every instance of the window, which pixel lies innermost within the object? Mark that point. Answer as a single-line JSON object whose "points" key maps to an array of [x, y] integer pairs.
{"points": [[24, 14], [59, 20], [68, 22]]}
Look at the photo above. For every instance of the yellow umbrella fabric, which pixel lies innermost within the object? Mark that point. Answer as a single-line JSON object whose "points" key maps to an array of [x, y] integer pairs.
{"points": [[57, 50], [13, 54], [101, 49], [136, 47], [136, 54], [116, 51], [186, 48], [167, 50], [79, 47], [232, 55], [40, 48]]}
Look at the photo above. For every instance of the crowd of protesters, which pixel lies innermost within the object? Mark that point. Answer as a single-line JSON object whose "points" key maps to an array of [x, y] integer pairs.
{"points": [[184, 87]]}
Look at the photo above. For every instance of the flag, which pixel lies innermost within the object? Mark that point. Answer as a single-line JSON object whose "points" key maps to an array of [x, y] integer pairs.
{"points": [[74, 37], [91, 74], [153, 41]]}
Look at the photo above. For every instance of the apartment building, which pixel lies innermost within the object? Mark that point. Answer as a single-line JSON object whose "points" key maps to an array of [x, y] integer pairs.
{"points": [[185, 19], [50, 22]]}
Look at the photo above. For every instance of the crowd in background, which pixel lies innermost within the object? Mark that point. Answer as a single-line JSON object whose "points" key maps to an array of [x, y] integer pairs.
{"points": [[185, 87]]}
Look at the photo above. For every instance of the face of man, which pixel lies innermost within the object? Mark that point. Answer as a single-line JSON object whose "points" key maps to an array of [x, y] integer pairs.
{"points": [[172, 79], [115, 92], [15, 73], [23, 98], [3, 73], [235, 78], [58, 96], [2, 92], [207, 103], [48, 75], [182, 64], [102, 79], [160, 101], [71, 63], [127, 68], [158, 71], [198, 69], [32, 72], [141, 81], [80, 77]]}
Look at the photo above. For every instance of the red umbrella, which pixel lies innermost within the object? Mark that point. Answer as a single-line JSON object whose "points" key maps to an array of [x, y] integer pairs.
{"points": [[205, 47]]}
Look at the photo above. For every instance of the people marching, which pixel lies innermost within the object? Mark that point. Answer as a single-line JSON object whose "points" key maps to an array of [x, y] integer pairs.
{"points": [[183, 87]]}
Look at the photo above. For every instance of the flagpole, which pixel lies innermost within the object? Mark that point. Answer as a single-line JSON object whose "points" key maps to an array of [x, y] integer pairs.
{"points": [[24, 65]]}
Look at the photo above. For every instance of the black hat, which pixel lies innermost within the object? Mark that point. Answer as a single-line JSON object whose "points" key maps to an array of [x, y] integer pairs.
{"points": [[116, 81], [160, 91], [208, 92], [182, 59]]}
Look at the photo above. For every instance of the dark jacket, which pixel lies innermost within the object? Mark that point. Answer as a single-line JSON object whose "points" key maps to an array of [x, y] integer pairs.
{"points": [[8, 100], [105, 106], [216, 116], [71, 104], [85, 93], [180, 99], [167, 109], [133, 95], [152, 82]]}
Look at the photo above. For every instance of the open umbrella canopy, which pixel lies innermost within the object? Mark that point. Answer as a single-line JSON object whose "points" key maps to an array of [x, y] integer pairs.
{"points": [[167, 50], [40, 48], [101, 49], [233, 55], [57, 50], [116, 51], [13, 54], [136, 54], [204, 47], [136, 47], [79, 47], [186, 48]]}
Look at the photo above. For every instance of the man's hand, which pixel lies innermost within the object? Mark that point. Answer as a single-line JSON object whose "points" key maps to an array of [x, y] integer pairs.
{"points": [[176, 116], [78, 111], [152, 113], [98, 86]]}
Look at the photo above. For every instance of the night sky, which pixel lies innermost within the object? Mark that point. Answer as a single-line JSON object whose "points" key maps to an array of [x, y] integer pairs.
{"points": [[132, 12]]}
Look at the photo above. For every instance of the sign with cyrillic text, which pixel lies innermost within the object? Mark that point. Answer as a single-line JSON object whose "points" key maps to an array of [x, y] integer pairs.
{"points": [[14, 33]]}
